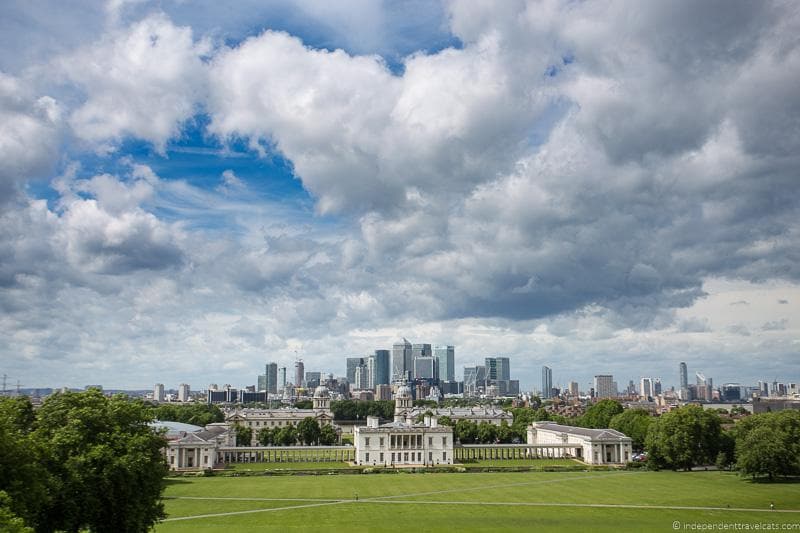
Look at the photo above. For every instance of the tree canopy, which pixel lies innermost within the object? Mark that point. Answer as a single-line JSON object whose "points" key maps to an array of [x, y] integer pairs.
{"points": [[88, 462], [768, 444], [634, 423], [683, 438]]}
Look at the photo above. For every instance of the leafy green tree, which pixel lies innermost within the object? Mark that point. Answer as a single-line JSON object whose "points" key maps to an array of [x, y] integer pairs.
{"points": [[359, 410], [466, 431], [769, 444], [446, 421], [286, 436], [22, 477], [683, 438], [244, 435], [198, 414], [505, 434], [600, 414], [308, 431], [327, 435], [634, 423], [106, 463], [266, 437], [9, 522], [304, 404], [487, 433]]}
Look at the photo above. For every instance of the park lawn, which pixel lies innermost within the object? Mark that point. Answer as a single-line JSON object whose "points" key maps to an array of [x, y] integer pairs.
{"points": [[481, 502]]}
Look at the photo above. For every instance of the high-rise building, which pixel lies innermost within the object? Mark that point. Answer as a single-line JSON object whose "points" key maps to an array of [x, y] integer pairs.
{"points": [[498, 368], [684, 377], [604, 386], [382, 367], [158, 392], [705, 386], [421, 350], [474, 379], [269, 381], [425, 368], [352, 364], [447, 362], [299, 373], [547, 381], [183, 392], [282, 378], [646, 388], [401, 361], [359, 381], [573, 389], [313, 379], [657, 387]]}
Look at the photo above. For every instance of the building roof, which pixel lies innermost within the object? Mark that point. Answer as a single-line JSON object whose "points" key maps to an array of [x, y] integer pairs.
{"points": [[175, 429], [584, 432]]}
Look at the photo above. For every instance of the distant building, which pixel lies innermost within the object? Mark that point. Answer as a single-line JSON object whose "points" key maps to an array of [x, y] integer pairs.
{"points": [[593, 446], [383, 392], [474, 380], [183, 392], [573, 389], [192, 447], [269, 380], [604, 386], [403, 442], [299, 373], [684, 380], [446, 358], [498, 368], [313, 380], [547, 381], [646, 388], [425, 368], [158, 392], [381, 368], [402, 361]]}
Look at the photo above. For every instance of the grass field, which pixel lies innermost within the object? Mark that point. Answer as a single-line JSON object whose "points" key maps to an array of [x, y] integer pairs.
{"points": [[547, 501], [302, 465]]}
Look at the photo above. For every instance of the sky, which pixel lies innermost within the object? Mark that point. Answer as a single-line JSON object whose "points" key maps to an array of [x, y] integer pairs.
{"points": [[189, 189]]}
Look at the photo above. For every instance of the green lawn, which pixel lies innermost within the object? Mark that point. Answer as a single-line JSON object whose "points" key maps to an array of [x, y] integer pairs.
{"points": [[546, 501], [287, 465], [537, 463]]}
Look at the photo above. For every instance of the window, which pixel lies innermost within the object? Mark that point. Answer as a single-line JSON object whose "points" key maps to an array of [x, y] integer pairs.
{"points": [[172, 459], [419, 457], [381, 442], [430, 457], [444, 441], [380, 457], [366, 441], [444, 456], [205, 459], [430, 441], [405, 456], [367, 457], [392, 457]]}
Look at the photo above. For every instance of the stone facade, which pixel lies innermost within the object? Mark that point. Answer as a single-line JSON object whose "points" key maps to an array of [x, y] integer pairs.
{"points": [[592, 446]]}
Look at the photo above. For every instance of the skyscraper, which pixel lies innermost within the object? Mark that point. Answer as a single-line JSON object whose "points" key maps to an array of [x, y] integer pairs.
{"points": [[425, 368], [474, 379], [498, 368], [646, 387], [269, 381], [547, 381], [382, 368], [447, 362], [299, 373], [158, 392], [183, 392], [352, 364], [401, 361], [282, 378], [604, 386], [684, 377]]}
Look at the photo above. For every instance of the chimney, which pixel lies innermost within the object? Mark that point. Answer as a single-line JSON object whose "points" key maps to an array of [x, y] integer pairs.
{"points": [[434, 423], [398, 419], [409, 420], [428, 420], [372, 421]]}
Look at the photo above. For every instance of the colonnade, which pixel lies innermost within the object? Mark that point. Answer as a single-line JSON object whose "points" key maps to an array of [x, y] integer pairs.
{"points": [[305, 454]]}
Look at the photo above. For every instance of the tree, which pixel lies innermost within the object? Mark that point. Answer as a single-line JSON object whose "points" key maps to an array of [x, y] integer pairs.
{"points": [[266, 437], [304, 404], [446, 421], [600, 414], [634, 423], [486, 433], [198, 414], [466, 431], [328, 435], [504, 433], [286, 436], [244, 435], [308, 431], [9, 522], [106, 463], [768, 444], [683, 438]]}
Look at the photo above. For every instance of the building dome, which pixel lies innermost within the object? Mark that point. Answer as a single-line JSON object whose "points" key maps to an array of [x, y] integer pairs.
{"points": [[321, 392], [403, 392]]}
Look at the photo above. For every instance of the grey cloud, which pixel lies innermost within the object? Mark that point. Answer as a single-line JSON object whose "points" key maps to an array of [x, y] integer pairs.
{"points": [[783, 302], [775, 325]]}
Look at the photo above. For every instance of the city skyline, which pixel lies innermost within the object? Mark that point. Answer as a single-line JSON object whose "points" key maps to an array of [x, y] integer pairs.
{"points": [[188, 191]]}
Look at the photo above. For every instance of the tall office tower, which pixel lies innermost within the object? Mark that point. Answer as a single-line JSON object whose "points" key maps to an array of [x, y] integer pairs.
{"points": [[282, 378], [498, 368], [704, 387], [183, 392], [646, 388], [447, 362], [547, 381], [313, 380], [657, 387], [401, 361], [763, 389], [421, 350], [359, 378], [158, 392], [474, 379], [382, 367], [352, 364], [269, 381], [684, 377], [371, 367], [425, 368], [299, 373], [573, 389], [604, 386]]}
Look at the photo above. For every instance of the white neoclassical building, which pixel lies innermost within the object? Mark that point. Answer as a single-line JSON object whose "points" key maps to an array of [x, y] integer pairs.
{"points": [[258, 419], [592, 446], [193, 447], [403, 442]]}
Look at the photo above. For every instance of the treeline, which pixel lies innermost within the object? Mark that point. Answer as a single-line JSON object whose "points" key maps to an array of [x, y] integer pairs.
{"points": [[198, 414], [359, 410], [81, 461]]}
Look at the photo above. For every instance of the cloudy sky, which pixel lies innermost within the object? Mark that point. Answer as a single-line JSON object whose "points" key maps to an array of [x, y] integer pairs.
{"points": [[189, 189]]}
